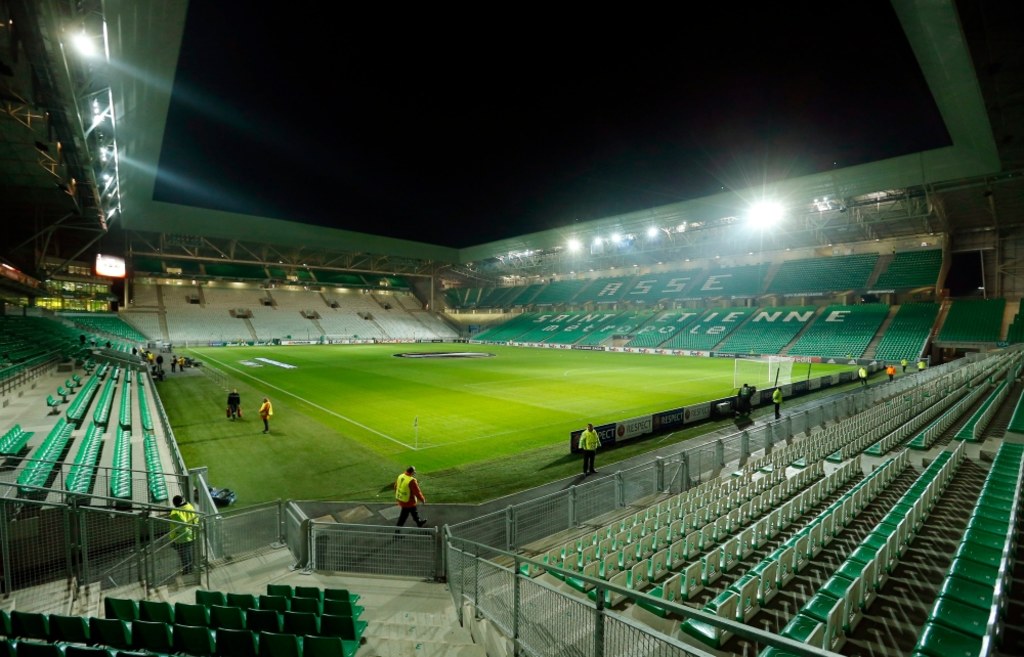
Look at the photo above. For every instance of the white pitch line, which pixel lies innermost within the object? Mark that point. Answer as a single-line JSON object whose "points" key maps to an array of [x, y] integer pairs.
{"points": [[306, 401]]}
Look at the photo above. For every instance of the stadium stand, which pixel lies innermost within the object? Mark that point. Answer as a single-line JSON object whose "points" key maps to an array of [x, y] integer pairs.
{"points": [[658, 330], [973, 320], [731, 282], [557, 293], [623, 324], [103, 324], [908, 332], [668, 287], [911, 269], [840, 331], [605, 290], [823, 274], [769, 330], [710, 329]]}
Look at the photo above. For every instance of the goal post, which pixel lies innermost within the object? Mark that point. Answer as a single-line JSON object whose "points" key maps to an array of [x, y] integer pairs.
{"points": [[766, 372]]}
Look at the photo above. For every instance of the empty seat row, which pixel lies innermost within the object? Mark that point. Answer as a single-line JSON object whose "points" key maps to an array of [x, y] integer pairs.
{"points": [[14, 440], [966, 618], [39, 468], [974, 428], [107, 637], [835, 609], [927, 437], [742, 600]]}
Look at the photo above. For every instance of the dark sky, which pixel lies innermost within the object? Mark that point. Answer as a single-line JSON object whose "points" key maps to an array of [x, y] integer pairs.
{"points": [[465, 127]]}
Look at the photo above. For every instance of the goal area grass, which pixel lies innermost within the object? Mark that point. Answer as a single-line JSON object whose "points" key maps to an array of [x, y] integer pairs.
{"points": [[477, 421]]}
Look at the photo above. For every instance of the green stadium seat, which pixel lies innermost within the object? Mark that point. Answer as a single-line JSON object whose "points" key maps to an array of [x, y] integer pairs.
{"points": [[112, 632], [152, 636], [193, 640], [227, 617], [69, 629], [345, 627], [121, 608], [210, 598], [263, 620], [235, 643], [307, 605], [192, 614], [341, 594], [242, 600], [342, 608], [328, 646], [156, 611], [960, 617], [937, 640], [301, 622], [30, 625], [309, 592], [273, 644], [285, 590], [52, 404], [277, 603]]}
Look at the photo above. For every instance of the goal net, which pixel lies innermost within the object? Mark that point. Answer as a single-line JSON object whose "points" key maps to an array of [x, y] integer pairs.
{"points": [[762, 372]]}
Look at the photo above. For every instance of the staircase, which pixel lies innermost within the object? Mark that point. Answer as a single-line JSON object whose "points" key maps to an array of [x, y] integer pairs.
{"points": [[800, 333], [252, 329], [881, 265], [417, 634], [873, 345]]}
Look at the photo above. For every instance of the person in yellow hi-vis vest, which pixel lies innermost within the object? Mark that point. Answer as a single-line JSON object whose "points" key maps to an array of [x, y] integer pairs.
{"points": [[183, 533], [589, 442], [266, 412], [407, 493]]}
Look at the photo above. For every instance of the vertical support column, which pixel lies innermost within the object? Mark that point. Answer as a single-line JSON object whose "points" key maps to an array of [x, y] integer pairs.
{"points": [[510, 529], [745, 446], [684, 472], [620, 490], [719, 455], [659, 473], [599, 623], [573, 521], [6, 582], [516, 597], [81, 554]]}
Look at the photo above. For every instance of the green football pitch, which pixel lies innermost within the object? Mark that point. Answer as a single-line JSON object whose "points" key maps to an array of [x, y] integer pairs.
{"points": [[476, 420]]}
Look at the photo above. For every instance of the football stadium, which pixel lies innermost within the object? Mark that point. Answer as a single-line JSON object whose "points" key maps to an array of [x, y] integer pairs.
{"points": [[805, 393]]}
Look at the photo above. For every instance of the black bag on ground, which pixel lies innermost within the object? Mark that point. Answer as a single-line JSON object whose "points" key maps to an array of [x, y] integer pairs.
{"points": [[222, 496]]}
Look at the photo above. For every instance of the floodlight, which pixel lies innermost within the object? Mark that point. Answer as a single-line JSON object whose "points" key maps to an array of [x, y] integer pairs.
{"points": [[84, 44], [616, 238], [574, 245], [764, 214], [598, 241], [652, 232]]}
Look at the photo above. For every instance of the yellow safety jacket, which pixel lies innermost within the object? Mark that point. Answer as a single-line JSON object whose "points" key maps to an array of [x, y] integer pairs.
{"points": [[186, 514], [402, 491]]}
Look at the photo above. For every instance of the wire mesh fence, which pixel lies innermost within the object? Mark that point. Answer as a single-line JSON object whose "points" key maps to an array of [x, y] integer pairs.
{"points": [[246, 532], [625, 638], [374, 549]]}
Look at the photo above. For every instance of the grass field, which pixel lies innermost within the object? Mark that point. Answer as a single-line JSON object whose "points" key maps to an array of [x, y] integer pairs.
{"points": [[348, 418]]}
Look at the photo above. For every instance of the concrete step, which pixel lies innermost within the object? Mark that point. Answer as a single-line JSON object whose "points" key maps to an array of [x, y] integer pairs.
{"points": [[380, 647], [415, 632]]}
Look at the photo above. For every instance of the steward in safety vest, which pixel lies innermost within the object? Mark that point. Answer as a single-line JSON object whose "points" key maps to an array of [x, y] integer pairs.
{"points": [[407, 493]]}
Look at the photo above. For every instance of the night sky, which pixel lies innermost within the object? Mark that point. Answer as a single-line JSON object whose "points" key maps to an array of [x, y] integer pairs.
{"points": [[460, 127]]}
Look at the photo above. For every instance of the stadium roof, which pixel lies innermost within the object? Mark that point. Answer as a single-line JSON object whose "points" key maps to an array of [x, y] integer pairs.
{"points": [[52, 177]]}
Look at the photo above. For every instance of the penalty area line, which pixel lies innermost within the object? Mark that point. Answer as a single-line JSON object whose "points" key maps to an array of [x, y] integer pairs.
{"points": [[314, 405]]}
